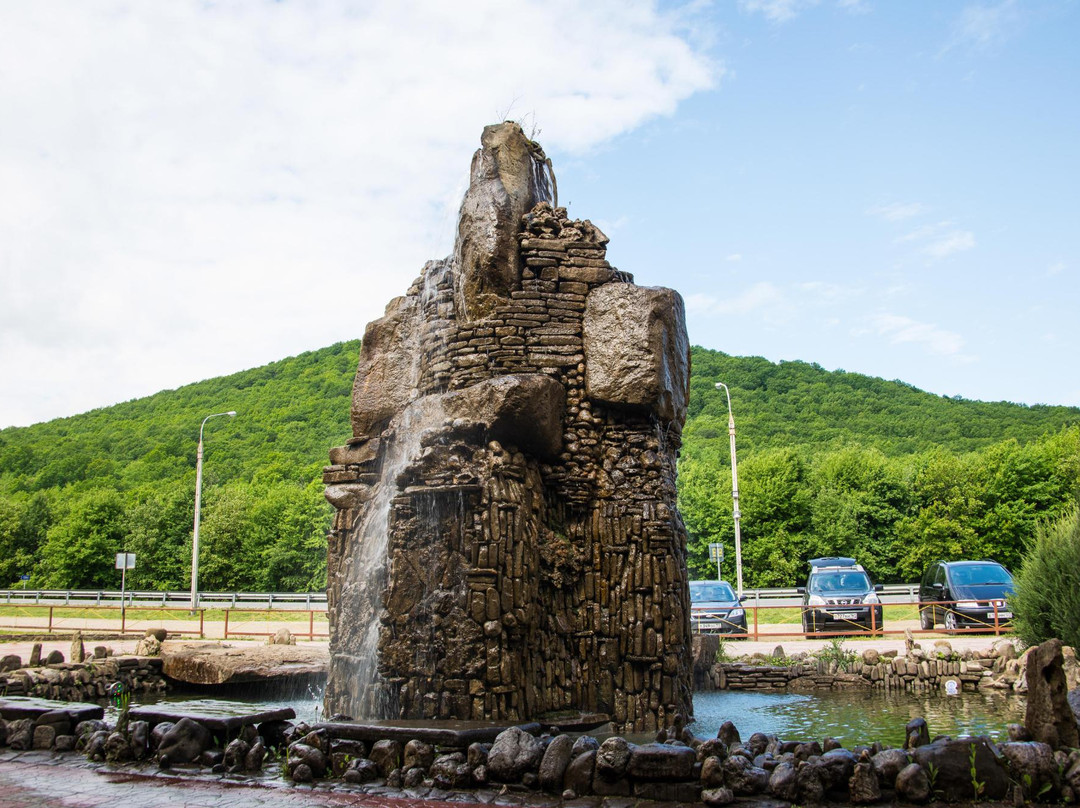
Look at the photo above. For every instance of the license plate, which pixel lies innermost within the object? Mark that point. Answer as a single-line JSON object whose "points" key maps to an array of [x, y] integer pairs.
{"points": [[846, 615], [1001, 615]]}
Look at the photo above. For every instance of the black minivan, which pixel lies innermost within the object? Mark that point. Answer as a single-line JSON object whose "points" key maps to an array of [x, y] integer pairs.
{"points": [[974, 592]]}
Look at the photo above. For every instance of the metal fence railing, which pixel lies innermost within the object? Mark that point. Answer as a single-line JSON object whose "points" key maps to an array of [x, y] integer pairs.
{"points": [[91, 597], [310, 624], [775, 621]]}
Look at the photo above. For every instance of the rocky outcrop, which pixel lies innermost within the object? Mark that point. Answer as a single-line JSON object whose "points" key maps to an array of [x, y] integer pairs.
{"points": [[1049, 717], [215, 663], [506, 540]]}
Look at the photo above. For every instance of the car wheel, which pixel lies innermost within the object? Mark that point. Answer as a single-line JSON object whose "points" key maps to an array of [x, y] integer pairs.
{"points": [[951, 623], [926, 619]]}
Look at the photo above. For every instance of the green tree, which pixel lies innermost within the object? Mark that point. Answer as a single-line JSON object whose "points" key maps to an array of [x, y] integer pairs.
{"points": [[1046, 602], [80, 547]]}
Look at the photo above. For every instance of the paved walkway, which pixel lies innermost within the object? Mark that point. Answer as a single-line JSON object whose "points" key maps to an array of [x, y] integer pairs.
{"points": [[39, 780]]}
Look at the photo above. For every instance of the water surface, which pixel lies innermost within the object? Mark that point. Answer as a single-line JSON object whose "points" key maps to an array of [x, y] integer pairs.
{"points": [[855, 717]]}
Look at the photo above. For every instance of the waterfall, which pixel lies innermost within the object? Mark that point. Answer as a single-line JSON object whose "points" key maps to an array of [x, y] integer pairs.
{"points": [[370, 569]]}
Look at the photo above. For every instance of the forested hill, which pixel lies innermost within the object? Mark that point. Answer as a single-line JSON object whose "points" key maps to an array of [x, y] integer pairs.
{"points": [[840, 459], [801, 404]]}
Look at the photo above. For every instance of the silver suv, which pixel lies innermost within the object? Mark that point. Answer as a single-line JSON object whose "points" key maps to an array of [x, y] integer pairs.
{"points": [[839, 598]]}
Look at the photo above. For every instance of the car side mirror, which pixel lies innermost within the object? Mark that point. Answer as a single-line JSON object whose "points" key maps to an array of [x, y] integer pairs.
{"points": [[879, 587], [800, 590], [742, 598]]}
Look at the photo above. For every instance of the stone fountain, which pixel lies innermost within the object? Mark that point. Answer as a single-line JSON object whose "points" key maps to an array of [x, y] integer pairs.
{"points": [[506, 543]]}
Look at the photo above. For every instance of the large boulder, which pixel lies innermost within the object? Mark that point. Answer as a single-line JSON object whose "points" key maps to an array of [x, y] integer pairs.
{"points": [[636, 350], [514, 753], [1049, 717], [965, 769]]}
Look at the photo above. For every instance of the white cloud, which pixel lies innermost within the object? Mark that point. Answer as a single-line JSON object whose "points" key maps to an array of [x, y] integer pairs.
{"points": [[950, 244], [1056, 268], [822, 292], [734, 257], [854, 6], [188, 188], [897, 211], [902, 330], [939, 240], [985, 25], [778, 11], [761, 295]]}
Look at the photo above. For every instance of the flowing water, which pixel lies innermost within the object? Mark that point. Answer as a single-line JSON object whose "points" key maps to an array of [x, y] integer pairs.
{"points": [[368, 578]]}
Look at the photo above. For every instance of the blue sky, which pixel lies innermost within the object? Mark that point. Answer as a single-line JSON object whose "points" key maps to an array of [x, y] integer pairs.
{"points": [[188, 189], [889, 188]]}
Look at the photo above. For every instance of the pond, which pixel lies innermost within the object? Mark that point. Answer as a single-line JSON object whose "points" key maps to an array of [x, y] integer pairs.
{"points": [[855, 717]]}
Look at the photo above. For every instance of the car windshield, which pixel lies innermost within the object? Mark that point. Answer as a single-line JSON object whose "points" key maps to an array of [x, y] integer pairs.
{"points": [[709, 592], [979, 575], [840, 581]]}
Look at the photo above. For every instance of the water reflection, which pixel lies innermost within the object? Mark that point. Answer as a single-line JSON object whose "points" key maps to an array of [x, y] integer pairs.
{"points": [[855, 717]]}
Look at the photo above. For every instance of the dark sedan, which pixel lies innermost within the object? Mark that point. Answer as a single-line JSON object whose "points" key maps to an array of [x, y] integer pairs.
{"points": [[716, 609]]}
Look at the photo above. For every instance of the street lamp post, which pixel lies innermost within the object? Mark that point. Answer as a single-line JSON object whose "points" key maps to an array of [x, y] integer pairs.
{"points": [[198, 508], [734, 489]]}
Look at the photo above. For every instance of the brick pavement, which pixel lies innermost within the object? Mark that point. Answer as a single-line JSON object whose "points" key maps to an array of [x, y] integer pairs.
{"points": [[42, 780]]}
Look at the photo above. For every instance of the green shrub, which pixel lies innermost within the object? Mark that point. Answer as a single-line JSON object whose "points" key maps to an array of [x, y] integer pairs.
{"points": [[1046, 602]]}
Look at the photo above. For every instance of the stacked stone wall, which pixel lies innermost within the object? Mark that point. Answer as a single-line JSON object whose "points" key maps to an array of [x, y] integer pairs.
{"points": [[85, 681], [602, 628]]}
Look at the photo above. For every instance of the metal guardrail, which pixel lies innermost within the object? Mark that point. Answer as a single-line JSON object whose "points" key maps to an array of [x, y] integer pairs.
{"points": [[302, 601], [779, 596]]}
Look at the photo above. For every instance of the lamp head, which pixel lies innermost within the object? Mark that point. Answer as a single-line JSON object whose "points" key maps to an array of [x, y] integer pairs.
{"points": [[719, 385], [231, 412]]}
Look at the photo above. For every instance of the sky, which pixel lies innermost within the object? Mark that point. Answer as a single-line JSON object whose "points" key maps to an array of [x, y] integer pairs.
{"points": [[189, 189]]}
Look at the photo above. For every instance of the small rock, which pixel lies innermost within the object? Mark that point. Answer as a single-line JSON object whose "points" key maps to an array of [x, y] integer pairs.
{"points": [[783, 782], [912, 783], [554, 762], [256, 754], [78, 650], [718, 796], [863, 785], [917, 733], [386, 755], [418, 755], [514, 753], [729, 734]]}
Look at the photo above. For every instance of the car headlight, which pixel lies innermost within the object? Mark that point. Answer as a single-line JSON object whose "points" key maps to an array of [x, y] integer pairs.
{"points": [[871, 598], [815, 600], [967, 604], [735, 614]]}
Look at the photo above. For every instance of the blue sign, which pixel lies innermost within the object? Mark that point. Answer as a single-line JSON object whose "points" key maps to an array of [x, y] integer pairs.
{"points": [[24, 577]]}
